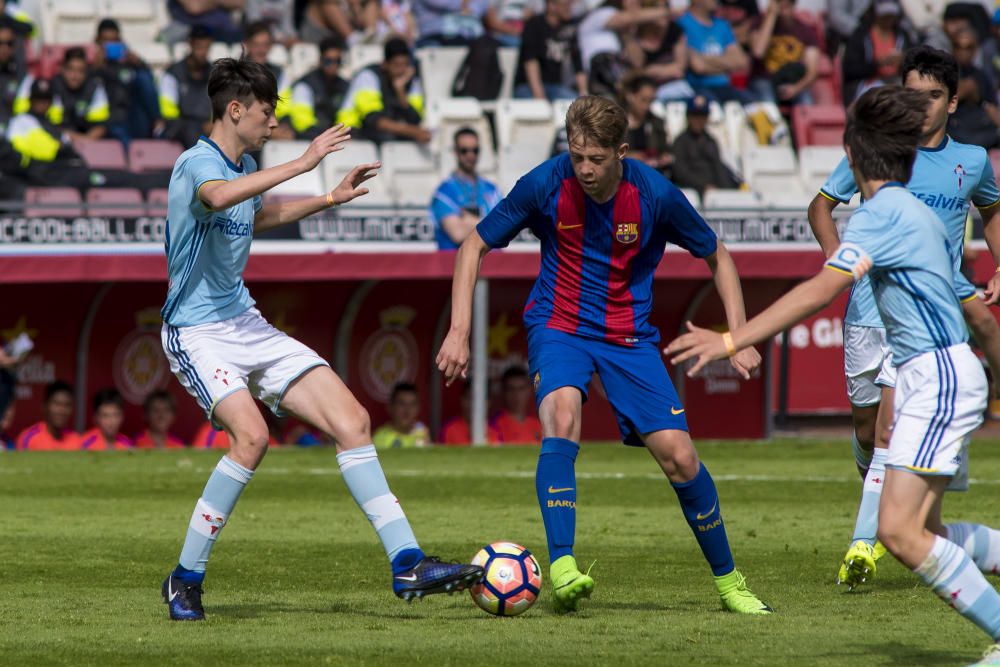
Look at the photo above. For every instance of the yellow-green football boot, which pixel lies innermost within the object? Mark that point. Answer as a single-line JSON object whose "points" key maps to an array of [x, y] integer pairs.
{"points": [[569, 585], [858, 566], [737, 598]]}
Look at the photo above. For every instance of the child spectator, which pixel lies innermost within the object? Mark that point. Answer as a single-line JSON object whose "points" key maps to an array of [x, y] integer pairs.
{"points": [[457, 431], [515, 424], [404, 428], [160, 413], [647, 136], [109, 413], [53, 432]]}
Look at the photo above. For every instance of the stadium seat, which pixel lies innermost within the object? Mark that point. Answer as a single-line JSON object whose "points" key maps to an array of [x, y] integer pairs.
{"points": [[153, 154], [52, 202], [559, 109], [515, 160], [508, 65], [302, 58], [102, 154], [826, 88], [525, 122], [68, 21], [156, 54], [357, 151], [818, 125], [307, 184], [409, 168], [51, 57], [448, 116], [771, 169], [787, 202], [816, 163], [140, 20], [278, 55], [731, 200], [156, 202], [675, 119], [438, 67], [361, 56], [115, 202], [692, 196]]}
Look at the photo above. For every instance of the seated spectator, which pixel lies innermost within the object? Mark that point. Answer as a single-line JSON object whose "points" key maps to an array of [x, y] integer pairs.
{"points": [[714, 55], [516, 423], [215, 15], [109, 413], [390, 18], [647, 136], [697, 151], [184, 102], [874, 53], [80, 104], [6, 439], [976, 118], [129, 84], [662, 55], [328, 18], [318, 96], [740, 14], [465, 198], [963, 16], [47, 158], [457, 432], [604, 59], [404, 428], [505, 19], [785, 56], [386, 101], [257, 44], [53, 432], [13, 74], [160, 412], [549, 64], [449, 22], [279, 15], [208, 438]]}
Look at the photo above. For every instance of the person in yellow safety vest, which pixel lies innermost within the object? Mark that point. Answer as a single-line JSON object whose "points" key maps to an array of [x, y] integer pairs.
{"points": [[318, 96], [47, 156], [257, 43], [184, 103], [386, 101]]}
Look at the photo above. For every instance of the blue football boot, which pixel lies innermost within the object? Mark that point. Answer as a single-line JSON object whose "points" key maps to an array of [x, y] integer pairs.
{"points": [[183, 599], [431, 576]]}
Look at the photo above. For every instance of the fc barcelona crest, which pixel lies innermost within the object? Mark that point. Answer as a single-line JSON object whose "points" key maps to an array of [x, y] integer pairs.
{"points": [[626, 232]]}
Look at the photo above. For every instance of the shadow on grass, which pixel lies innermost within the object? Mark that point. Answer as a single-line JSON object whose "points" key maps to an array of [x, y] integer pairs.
{"points": [[896, 653]]}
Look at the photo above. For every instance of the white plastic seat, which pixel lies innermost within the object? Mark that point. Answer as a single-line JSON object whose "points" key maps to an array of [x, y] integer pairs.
{"points": [[278, 55], [361, 56], [155, 54], [69, 21], [409, 168], [140, 20], [767, 168], [692, 196], [559, 109], [816, 163], [675, 119], [507, 56], [438, 67], [518, 159], [278, 152], [525, 122], [447, 116], [731, 200], [302, 58]]}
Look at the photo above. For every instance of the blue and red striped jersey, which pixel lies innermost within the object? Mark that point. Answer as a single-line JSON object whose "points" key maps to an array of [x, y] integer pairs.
{"points": [[598, 260]]}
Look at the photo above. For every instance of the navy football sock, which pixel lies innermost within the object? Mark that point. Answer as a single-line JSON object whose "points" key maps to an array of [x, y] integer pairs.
{"points": [[700, 504], [555, 484]]}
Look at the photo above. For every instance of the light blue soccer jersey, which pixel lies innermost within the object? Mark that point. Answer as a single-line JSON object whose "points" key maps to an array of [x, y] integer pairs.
{"points": [[897, 241], [206, 250], [946, 178]]}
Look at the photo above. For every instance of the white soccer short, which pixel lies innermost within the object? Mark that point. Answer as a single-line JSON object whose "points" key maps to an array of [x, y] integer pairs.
{"points": [[867, 364], [214, 360], [940, 399]]}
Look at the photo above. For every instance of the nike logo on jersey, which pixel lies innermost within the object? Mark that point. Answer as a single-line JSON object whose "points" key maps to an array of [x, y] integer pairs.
{"points": [[561, 226], [675, 411], [701, 517], [554, 490], [412, 577]]}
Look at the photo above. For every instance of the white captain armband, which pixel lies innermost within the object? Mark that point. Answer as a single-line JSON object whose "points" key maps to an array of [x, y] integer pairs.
{"points": [[851, 260]]}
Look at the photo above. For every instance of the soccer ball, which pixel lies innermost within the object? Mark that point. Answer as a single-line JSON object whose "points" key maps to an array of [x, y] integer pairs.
{"points": [[512, 580]]}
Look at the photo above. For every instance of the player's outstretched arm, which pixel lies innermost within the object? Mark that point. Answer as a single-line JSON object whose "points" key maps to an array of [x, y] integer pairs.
{"points": [[282, 213], [804, 300], [991, 230], [727, 283], [823, 226], [219, 195], [453, 358]]}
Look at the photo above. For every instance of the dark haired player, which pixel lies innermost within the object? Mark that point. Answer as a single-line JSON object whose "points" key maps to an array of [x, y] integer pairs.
{"points": [[947, 175], [903, 247], [226, 354]]}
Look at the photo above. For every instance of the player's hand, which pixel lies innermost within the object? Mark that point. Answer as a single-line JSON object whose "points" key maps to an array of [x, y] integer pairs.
{"points": [[992, 291], [453, 358], [703, 344], [746, 361], [350, 188], [328, 142]]}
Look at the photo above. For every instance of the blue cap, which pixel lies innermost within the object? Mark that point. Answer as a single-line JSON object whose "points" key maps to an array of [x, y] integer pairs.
{"points": [[698, 105]]}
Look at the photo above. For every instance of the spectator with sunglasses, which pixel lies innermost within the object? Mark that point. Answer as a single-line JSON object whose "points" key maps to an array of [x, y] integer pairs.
{"points": [[465, 198], [318, 96]]}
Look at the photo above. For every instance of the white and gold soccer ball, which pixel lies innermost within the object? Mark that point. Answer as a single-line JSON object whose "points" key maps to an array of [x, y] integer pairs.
{"points": [[511, 582]]}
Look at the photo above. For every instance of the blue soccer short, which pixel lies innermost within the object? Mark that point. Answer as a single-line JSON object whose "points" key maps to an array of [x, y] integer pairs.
{"points": [[634, 378]]}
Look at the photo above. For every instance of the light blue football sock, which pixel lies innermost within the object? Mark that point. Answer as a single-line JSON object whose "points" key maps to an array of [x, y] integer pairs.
{"points": [[956, 579], [982, 543], [862, 456], [210, 515], [866, 524], [555, 487], [366, 482]]}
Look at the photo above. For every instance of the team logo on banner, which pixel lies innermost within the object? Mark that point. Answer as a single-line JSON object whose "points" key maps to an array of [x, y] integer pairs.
{"points": [[390, 355], [627, 232], [139, 366]]}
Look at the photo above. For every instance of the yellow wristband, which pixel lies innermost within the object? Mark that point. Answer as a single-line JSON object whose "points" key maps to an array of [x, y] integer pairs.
{"points": [[727, 338], [329, 199], [998, 270]]}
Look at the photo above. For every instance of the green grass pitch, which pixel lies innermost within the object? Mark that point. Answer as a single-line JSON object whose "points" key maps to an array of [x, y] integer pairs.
{"points": [[299, 578]]}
